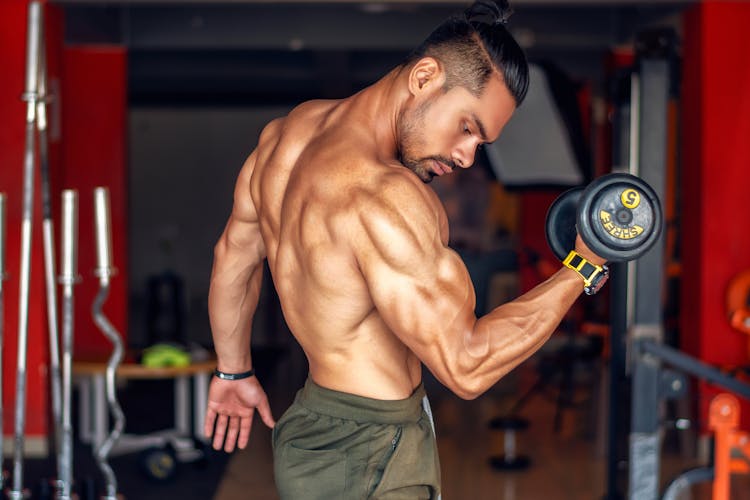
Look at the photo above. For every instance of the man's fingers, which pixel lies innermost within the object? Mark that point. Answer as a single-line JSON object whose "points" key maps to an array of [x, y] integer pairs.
{"points": [[245, 425], [208, 426], [220, 432], [233, 430], [265, 413]]}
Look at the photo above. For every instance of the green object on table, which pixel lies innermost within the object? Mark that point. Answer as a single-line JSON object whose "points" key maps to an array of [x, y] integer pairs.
{"points": [[165, 355]]}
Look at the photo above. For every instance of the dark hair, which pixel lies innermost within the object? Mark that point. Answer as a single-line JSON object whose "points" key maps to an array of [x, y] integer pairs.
{"points": [[475, 44]]}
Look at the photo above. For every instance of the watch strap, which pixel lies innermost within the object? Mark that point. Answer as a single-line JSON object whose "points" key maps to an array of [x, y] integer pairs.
{"points": [[593, 276]]}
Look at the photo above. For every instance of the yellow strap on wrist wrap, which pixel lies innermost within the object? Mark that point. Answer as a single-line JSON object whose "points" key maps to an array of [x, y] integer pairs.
{"points": [[584, 268]]}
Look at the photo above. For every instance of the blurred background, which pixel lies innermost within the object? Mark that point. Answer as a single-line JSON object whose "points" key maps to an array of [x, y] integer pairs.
{"points": [[162, 101]]}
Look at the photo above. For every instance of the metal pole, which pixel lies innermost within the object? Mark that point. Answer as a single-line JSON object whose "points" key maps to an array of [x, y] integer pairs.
{"points": [[68, 278], [655, 55], [104, 270], [618, 415], [2, 322], [49, 254], [33, 43], [694, 367]]}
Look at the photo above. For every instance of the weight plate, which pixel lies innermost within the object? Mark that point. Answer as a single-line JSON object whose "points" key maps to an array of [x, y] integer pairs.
{"points": [[560, 226], [159, 464], [619, 217]]}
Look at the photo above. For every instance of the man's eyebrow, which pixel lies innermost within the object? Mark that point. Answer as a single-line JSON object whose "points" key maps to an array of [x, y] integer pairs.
{"points": [[480, 126]]}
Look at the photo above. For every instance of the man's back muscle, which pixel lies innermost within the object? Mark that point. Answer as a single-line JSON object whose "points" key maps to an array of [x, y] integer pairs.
{"points": [[312, 179]]}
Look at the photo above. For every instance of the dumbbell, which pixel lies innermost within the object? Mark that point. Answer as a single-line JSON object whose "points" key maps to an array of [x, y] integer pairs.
{"points": [[510, 460], [618, 216]]}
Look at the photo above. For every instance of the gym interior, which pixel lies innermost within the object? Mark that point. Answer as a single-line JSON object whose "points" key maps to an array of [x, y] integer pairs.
{"points": [[125, 123]]}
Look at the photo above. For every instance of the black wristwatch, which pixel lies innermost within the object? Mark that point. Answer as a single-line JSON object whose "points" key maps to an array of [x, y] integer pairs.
{"points": [[594, 277]]}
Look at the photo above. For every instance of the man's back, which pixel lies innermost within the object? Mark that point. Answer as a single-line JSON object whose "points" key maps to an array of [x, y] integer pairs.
{"points": [[314, 176]]}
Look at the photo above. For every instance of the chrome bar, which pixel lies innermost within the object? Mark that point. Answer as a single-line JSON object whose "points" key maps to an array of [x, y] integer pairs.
{"points": [[69, 245], [104, 267], [33, 44], [48, 235], [182, 404], [68, 279], [104, 271]]}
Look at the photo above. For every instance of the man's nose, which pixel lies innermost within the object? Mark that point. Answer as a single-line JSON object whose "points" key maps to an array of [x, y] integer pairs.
{"points": [[464, 156]]}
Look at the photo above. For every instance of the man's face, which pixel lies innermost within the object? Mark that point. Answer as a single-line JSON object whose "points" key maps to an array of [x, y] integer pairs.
{"points": [[443, 130]]}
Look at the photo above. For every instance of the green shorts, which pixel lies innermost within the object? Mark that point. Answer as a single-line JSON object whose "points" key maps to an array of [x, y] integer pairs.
{"points": [[333, 445]]}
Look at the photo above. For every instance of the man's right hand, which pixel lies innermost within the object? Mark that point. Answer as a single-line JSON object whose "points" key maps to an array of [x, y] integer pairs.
{"points": [[231, 406], [584, 251]]}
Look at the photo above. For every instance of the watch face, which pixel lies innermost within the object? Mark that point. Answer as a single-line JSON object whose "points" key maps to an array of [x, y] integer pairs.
{"points": [[598, 282]]}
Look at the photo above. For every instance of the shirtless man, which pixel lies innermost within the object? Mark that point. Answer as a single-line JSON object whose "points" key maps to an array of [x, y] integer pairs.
{"points": [[335, 197]]}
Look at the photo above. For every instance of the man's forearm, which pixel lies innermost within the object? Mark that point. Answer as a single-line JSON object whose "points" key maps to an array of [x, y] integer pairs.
{"points": [[511, 333], [232, 300]]}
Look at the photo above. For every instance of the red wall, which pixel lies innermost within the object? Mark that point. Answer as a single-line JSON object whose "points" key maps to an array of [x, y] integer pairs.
{"points": [[533, 215], [94, 154], [715, 240], [87, 149]]}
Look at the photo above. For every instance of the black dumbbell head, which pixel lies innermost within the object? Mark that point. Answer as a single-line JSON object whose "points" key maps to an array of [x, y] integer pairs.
{"points": [[619, 217], [560, 226]]}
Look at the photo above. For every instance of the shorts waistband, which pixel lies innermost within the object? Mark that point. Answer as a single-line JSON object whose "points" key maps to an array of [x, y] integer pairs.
{"points": [[359, 408]]}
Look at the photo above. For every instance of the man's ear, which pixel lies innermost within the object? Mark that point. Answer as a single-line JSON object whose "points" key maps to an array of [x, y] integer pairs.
{"points": [[427, 74]]}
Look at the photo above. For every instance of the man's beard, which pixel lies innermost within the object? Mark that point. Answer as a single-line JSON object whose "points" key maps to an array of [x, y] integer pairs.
{"points": [[411, 139]]}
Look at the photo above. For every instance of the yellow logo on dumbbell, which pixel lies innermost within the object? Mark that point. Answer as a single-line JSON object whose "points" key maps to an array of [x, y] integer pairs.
{"points": [[630, 198], [619, 232]]}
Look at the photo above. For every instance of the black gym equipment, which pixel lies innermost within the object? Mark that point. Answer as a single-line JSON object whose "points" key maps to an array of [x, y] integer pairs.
{"points": [[159, 463], [640, 357], [618, 216], [653, 384], [562, 217], [510, 460]]}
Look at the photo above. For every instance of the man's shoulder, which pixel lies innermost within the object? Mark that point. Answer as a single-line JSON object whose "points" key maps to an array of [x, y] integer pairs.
{"points": [[397, 184], [395, 206], [309, 111], [299, 115], [377, 184]]}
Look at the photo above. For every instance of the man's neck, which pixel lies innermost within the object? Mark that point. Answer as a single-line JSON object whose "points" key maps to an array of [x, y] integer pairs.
{"points": [[382, 104]]}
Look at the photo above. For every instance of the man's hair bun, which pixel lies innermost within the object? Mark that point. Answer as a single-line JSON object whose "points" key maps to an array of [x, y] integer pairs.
{"points": [[489, 12]]}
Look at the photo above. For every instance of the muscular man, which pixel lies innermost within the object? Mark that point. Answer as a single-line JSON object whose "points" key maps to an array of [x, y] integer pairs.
{"points": [[335, 198]]}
